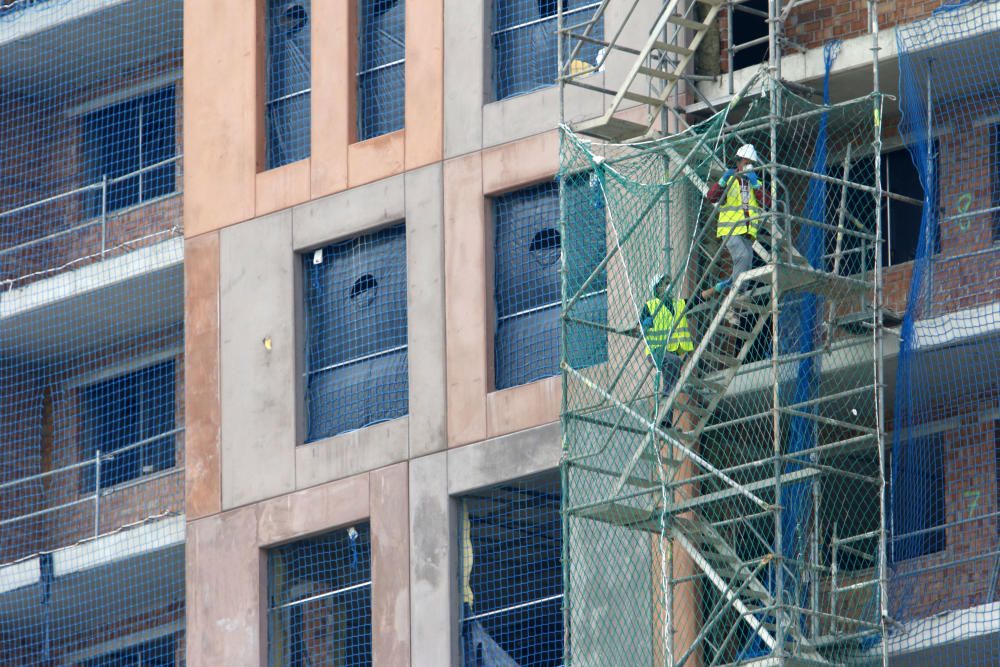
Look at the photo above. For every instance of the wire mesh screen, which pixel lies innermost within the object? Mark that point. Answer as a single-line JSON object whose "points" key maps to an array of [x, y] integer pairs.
{"points": [[944, 549], [740, 335], [381, 67], [91, 324], [319, 600], [356, 344], [289, 65], [528, 250], [511, 574], [525, 48]]}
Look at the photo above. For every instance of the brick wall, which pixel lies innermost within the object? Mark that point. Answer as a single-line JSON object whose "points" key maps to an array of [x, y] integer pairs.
{"points": [[44, 416], [42, 157], [814, 23]]}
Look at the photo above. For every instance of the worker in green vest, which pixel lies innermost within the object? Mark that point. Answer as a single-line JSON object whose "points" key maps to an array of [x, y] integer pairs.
{"points": [[666, 350], [739, 214]]}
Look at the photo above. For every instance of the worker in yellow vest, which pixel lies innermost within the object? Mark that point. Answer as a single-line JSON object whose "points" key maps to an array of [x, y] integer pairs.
{"points": [[739, 214], [664, 349]]}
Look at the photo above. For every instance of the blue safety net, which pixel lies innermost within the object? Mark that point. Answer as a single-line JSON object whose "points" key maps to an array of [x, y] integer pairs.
{"points": [[287, 110], [356, 336], [92, 410], [528, 249], [319, 600], [511, 546], [525, 47], [381, 67], [943, 548]]}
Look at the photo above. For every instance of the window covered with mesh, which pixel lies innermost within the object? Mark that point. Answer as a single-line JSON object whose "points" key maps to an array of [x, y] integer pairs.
{"points": [[129, 150], [512, 589], [381, 67], [356, 345], [319, 600], [527, 251], [917, 483], [525, 48], [129, 420], [288, 74]]}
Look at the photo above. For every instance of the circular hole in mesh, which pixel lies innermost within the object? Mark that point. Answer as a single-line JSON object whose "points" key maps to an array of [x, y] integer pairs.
{"points": [[545, 245], [294, 18], [363, 290]]}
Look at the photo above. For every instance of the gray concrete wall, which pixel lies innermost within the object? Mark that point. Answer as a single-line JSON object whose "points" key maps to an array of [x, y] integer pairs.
{"points": [[262, 340]]}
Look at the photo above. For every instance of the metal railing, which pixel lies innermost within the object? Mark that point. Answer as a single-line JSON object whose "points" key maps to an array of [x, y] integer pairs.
{"points": [[102, 219], [98, 491]]}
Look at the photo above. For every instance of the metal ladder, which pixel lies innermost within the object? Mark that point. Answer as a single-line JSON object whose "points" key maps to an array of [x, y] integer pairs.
{"points": [[663, 60]]}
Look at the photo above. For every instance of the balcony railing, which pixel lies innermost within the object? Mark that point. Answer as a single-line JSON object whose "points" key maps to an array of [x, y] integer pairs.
{"points": [[93, 240], [59, 491]]}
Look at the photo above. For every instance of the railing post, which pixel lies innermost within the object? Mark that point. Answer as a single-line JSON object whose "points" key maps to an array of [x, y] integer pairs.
{"points": [[104, 214], [97, 494], [833, 580]]}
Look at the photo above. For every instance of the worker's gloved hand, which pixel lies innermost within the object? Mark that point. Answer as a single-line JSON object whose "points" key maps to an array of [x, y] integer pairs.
{"points": [[752, 177], [723, 285], [726, 175]]}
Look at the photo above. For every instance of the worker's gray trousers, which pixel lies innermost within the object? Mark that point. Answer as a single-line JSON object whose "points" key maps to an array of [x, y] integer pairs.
{"points": [[740, 249]]}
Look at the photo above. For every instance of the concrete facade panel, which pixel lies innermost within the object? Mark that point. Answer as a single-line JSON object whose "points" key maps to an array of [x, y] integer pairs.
{"points": [[523, 116], [313, 511], [283, 187], [433, 617], [424, 82], [347, 213], [425, 310], [465, 299], [259, 379], [521, 163], [201, 359], [351, 453], [390, 580], [523, 407], [500, 459], [223, 604], [220, 138], [376, 158], [332, 95], [464, 76]]}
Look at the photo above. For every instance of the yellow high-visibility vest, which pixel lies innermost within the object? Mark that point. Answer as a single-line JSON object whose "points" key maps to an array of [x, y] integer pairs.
{"points": [[736, 216], [656, 336]]}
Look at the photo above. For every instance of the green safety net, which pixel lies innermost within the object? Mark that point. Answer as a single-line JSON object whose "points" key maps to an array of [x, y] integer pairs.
{"points": [[722, 499]]}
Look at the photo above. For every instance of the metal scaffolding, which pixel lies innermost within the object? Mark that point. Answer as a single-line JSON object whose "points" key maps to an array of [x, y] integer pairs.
{"points": [[737, 514]]}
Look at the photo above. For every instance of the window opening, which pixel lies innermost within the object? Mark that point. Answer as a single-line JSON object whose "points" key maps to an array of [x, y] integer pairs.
{"points": [[918, 498], [749, 23], [512, 589], [525, 47], [131, 146], [527, 250], [130, 419], [319, 600], [289, 64], [381, 67], [356, 333]]}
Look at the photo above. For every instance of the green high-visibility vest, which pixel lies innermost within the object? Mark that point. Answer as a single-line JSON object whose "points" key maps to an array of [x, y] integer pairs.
{"points": [[656, 336], [737, 217]]}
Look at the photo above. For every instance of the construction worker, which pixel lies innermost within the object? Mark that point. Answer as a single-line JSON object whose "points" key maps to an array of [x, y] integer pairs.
{"points": [[739, 214], [665, 350]]}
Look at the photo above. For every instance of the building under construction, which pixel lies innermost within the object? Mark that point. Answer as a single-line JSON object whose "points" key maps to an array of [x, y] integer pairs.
{"points": [[410, 332]]}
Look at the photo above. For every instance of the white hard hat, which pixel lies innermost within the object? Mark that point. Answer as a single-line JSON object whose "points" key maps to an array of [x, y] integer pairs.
{"points": [[654, 281], [748, 152]]}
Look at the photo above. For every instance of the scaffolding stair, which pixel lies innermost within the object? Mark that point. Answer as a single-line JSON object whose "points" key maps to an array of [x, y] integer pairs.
{"points": [[735, 579], [663, 59], [740, 584]]}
